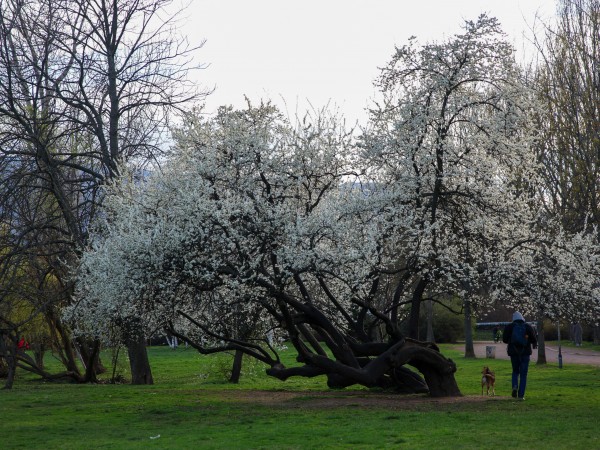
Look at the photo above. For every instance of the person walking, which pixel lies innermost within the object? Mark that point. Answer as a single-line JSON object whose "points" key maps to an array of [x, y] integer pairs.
{"points": [[520, 337]]}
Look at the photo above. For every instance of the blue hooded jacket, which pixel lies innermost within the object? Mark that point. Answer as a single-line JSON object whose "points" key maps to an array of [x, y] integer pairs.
{"points": [[511, 349]]}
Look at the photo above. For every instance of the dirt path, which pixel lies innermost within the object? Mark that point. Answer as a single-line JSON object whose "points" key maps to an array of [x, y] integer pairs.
{"points": [[363, 399], [570, 355]]}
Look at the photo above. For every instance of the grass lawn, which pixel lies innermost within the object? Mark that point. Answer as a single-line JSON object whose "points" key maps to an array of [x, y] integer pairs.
{"points": [[192, 406]]}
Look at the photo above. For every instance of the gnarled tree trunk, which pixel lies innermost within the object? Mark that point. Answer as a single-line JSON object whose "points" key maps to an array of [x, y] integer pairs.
{"points": [[348, 359], [385, 370]]}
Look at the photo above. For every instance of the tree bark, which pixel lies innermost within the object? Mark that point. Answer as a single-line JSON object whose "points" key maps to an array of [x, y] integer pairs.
{"points": [[64, 342], [386, 371], [141, 372], [92, 361], [3, 366], [429, 311], [38, 354], [437, 370], [9, 350], [139, 363], [469, 347], [415, 309], [236, 369], [541, 359]]}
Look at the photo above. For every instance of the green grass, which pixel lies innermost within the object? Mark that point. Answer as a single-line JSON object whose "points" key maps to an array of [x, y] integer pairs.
{"points": [[192, 406]]}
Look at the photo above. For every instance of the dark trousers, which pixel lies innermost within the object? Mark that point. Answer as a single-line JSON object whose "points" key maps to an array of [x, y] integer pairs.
{"points": [[520, 365]]}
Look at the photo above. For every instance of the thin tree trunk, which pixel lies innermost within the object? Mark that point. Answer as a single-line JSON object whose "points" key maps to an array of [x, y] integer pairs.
{"points": [[236, 369], [65, 343], [429, 309], [469, 347], [38, 354], [3, 365], [9, 350], [541, 359], [415, 309]]}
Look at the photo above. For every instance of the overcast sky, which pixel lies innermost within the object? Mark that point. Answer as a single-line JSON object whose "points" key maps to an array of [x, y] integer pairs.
{"points": [[322, 51]]}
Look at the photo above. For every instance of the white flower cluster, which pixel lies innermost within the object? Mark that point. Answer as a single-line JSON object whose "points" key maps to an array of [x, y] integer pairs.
{"points": [[256, 216]]}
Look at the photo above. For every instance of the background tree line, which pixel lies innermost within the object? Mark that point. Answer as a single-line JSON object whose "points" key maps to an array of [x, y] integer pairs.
{"points": [[84, 87]]}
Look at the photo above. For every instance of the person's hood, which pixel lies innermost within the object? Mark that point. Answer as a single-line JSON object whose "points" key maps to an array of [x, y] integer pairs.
{"points": [[518, 316]]}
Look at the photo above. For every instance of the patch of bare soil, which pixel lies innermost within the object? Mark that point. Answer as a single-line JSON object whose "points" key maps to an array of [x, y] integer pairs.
{"points": [[353, 399]]}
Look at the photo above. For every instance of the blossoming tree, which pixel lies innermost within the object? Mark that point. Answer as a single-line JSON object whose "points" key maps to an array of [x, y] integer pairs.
{"points": [[451, 142], [262, 229]]}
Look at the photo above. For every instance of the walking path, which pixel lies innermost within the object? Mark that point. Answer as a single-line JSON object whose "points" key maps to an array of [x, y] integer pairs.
{"points": [[570, 355]]}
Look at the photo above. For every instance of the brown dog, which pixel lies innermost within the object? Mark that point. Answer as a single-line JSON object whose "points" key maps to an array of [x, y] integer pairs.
{"points": [[488, 379]]}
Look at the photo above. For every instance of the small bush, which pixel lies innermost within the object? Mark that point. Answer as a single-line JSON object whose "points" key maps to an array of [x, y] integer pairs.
{"points": [[447, 326]]}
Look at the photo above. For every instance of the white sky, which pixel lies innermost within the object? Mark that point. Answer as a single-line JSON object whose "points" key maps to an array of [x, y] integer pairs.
{"points": [[322, 51]]}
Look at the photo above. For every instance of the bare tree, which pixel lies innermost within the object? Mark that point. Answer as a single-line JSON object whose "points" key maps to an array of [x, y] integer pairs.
{"points": [[568, 82], [84, 86], [567, 79]]}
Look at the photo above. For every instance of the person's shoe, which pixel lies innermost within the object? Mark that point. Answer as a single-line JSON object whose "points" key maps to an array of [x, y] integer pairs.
{"points": [[514, 393], [522, 399]]}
